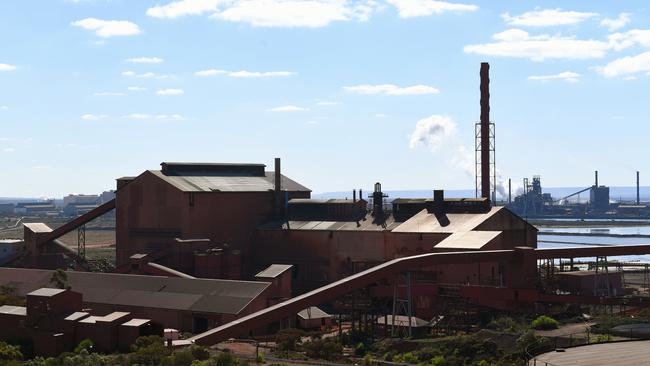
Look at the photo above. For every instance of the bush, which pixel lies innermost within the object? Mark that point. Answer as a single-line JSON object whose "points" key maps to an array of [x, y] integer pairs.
{"points": [[360, 349], [226, 359], [504, 324], [326, 349], [200, 353], [149, 350], [367, 360], [544, 322], [409, 357], [9, 352], [86, 344], [437, 360]]}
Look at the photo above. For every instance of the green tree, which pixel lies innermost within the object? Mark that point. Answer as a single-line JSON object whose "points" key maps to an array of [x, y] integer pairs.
{"points": [[59, 279], [148, 350]]}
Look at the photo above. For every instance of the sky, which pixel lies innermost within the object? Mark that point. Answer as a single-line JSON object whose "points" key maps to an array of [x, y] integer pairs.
{"points": [[347, 93]]}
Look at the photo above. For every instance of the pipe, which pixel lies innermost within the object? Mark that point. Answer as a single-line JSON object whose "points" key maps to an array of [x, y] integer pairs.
{"points": [[354, 195], [485, 130], [596, 175]]}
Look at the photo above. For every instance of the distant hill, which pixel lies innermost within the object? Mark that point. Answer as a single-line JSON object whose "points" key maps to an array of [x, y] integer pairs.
{"points": [[621, 193]]}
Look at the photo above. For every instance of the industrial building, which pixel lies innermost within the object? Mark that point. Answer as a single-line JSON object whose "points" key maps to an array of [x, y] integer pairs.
{"points": [[189, 305], [54, 321], [242, 248]]}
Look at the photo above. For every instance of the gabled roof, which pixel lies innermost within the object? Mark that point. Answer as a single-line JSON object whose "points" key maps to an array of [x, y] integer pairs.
{"points": [[313, 312], [367, 224], [200, 295], [403, 321], [469, 240], [274, 270], [225, 183], [425, 222]]}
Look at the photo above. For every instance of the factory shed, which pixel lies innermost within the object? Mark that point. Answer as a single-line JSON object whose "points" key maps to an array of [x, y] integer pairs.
{"points": [[185, 210], [324, 250], [181, 303], [280, 277], [313, 317]]}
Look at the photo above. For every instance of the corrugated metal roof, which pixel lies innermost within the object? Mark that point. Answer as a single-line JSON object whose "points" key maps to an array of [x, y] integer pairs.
{"points": [[367, 224], [37, 227], [274, 270], [200, 295], [46, 292], [13, 310], [313, 312], [212, 183], [468, 240], [403, 321], [425, 222], [136, 322]]}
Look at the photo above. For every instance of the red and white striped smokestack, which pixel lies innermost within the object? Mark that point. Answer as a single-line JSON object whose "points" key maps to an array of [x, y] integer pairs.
{"points": [[485, 130]]}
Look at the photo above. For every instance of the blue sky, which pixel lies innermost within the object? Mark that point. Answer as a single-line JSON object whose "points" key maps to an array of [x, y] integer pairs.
{"points": [[346, 92]]}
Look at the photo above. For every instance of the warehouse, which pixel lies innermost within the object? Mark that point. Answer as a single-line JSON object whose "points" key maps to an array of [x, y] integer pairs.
{"points": [[191, 305]]}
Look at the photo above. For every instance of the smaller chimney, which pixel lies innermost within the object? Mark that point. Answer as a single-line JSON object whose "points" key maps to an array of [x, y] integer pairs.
{"points": [[509, 190], [354, 195], [596, 175], [378, 201], [278, 188], [638, 197], [360, 194], [439, 197]]}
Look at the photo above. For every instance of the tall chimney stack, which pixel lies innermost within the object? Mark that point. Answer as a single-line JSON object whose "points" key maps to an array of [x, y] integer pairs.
{"points": [[596, 176], [485, 130], [278, 188], [354, 195], [638, 197], [509, 190]]}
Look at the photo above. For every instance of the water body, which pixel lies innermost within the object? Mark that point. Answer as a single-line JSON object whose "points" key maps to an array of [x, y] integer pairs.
{"points": [[597, 236]]}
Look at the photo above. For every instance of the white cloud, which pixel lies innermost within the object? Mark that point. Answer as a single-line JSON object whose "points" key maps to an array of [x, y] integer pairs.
{"points": [[7, 67], [312, 122], [619, 22], [256, 74], [170, 92], [136, 88], [144, 75], [567, 76], [210, 72], [145, 60], [288, 108], [4, 108], [627, 66], [390, 89], [108, 28], [418, 8], [155, 117], [381, 115], [109, 94], [431, 131], [327, 104], [547, 17], [294, 13], [9, 150], [270, 13], [93, 117], [620, 41], [519, 43], [181, 8], [244, 73]]}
